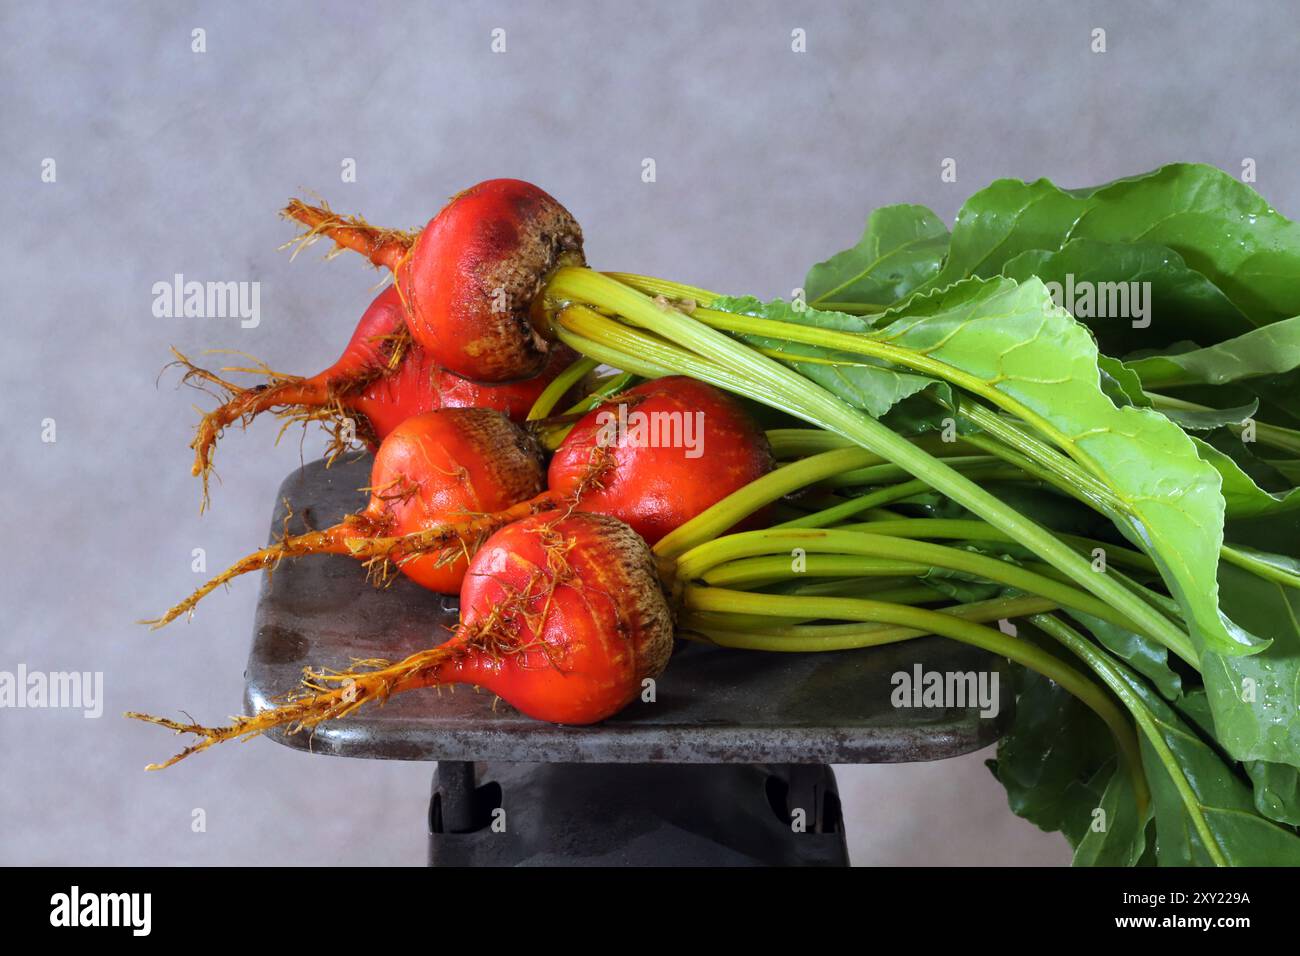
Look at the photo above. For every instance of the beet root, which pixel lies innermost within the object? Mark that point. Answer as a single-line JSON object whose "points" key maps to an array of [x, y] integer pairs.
{"points": [[470, 279], [445, 467], [562, 617], [382, 379]]}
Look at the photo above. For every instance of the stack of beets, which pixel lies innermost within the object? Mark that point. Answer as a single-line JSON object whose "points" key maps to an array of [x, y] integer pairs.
{"points": [[562, 612]]}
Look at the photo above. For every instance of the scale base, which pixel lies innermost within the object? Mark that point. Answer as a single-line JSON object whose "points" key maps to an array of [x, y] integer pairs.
{"points": [[576, 814]]}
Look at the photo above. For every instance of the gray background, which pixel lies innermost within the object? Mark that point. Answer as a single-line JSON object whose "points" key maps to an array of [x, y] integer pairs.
{"points": [[171, 162]]}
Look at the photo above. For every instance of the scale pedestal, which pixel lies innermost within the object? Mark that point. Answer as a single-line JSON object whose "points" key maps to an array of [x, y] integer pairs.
{"points": [[727, 766]]}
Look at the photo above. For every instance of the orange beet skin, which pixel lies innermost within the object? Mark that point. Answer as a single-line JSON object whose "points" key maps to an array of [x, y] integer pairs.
{"points": [[472, 275], [570, 616], [658, 487]]}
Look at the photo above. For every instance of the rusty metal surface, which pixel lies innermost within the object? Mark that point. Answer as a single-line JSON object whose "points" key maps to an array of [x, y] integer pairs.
{"points": [[713, 705]]}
